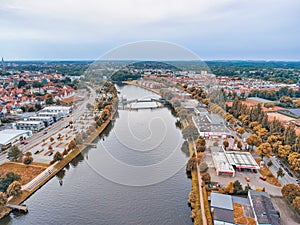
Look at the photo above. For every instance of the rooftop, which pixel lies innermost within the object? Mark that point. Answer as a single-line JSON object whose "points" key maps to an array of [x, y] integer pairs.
{"points": [[9, 134], [241, 159], [221, 201]]}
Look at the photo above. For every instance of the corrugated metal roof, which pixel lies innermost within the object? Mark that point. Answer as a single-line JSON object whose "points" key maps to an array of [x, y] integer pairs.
{"points": [[221, 201]]}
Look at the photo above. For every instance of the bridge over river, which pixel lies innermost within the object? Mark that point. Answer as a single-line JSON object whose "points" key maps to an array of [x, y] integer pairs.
{"points": [[143, 103]]}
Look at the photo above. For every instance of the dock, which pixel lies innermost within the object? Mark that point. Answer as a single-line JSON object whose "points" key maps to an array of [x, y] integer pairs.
{"points": [[22, 208]]}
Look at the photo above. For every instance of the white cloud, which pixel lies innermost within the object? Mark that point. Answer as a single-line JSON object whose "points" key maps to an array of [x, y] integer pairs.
{"points": [[190, 22]]}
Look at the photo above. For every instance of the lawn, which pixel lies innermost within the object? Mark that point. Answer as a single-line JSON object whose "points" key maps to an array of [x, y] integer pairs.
{"points": [[26, 172]]}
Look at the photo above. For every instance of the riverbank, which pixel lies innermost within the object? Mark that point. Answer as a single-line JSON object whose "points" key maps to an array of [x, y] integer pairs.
{"points": [[58, 166]]}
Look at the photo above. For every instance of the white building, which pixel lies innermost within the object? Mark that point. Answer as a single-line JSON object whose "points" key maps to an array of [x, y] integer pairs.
{"points": [[30, 125], [64, 110], [10, 136], [48, 120], [55, 116]]}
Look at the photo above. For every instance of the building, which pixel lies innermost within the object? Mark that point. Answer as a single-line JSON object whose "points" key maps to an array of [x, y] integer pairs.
{"points": [[211, 125], [257, 100], [35, 126], [222, 209], [263, 209], [220, 161], [55, 116], [241, 160], [63, 110], [10, 136], [294, 113], [47, 120]]}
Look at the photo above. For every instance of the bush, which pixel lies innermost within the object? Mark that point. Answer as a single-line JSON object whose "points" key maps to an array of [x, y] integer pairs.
{"points": [[269, 174]]}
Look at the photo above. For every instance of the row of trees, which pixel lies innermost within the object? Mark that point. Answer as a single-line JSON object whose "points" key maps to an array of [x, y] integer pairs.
{"points": [[270, 137]]}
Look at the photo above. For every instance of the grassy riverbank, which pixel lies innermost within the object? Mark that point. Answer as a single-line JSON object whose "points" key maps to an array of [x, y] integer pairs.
{"points": [[61, 164]]}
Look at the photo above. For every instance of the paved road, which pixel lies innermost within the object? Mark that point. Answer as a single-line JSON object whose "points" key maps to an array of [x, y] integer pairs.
{"points": [[51, 130]]}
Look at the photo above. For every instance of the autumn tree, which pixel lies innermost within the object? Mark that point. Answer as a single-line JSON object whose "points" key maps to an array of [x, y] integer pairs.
{"points": [[28, 158], [57, 156], [290, 191], [240, 145], [206, 178], [296, 204], [264, 150], [294, 160], [190, 132], [289, 135], [226, 144], [241, 130], [253, 140], [284, 151], [200, 144], [14, 189]]}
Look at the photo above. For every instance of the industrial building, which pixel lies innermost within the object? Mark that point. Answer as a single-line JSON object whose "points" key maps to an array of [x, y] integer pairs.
{"points": [[10, 137], [35, 126], [47, 120], [56, 116], [63, 110]]}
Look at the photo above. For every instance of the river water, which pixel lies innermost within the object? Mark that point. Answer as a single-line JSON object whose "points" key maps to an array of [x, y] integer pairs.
{"points": [[86, 193]]}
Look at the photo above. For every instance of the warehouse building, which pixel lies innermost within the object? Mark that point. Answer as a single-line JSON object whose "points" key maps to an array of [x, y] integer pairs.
{"points": [[35, 126], [10, 137]]}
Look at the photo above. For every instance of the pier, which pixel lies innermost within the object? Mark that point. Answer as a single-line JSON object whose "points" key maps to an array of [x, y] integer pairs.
{"points": [[22, 208]]}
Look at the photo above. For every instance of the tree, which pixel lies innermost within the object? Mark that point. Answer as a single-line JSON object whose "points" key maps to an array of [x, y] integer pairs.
{"points": [[190, 132], [270, 163], [296, 204], [238, 189], [28, 158], [280, 173], [200, 144], [241, 130], [7, 179], [57, 156], [48, 99], [206, 178], [290, 191], [226, 144], [14, 189], [203, 167], [3, 200], [294, 160], [264, 150], [289, 135], [253, 140], [284, 151], [14, 153], [240, 145]]}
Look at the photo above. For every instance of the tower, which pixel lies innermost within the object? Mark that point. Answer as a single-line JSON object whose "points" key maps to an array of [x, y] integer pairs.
{"points": [[3, 67]]}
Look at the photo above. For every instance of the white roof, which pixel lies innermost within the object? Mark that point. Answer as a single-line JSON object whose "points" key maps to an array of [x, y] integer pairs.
{"points": [[241, 159], [7, 135], [48, 113], [41, 117], [221, 201], [57, 108], [29, 122]]}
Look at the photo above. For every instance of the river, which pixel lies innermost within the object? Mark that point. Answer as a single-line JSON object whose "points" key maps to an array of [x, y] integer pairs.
{"points": [[85, 193]]}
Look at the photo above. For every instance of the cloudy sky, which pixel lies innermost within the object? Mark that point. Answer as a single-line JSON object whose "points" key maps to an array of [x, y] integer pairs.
{"points": [[86, 29]]}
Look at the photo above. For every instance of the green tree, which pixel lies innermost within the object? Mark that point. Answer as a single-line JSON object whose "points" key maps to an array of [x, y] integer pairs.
{"points": [[14, 153], [238, 189], [280, 173]]}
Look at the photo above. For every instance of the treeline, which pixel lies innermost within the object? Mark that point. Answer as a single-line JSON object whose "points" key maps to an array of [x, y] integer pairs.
{"points": [[270, 137], [275, 95], [286, 72], [123, 75]]}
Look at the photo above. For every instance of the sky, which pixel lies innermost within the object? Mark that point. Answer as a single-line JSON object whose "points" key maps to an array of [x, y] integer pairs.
{"points": [[87, 29]]}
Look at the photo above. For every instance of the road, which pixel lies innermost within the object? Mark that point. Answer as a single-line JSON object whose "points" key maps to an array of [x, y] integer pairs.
{"points": [[56, 127]]}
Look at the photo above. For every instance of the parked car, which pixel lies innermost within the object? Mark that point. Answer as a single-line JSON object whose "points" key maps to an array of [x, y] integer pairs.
{"points": [[45, 132], [247, 179], [25, 143], [51, 153], [262, 178]]}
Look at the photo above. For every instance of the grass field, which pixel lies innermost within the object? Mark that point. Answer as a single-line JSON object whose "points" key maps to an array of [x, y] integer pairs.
{"points": [[26, 172]]}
